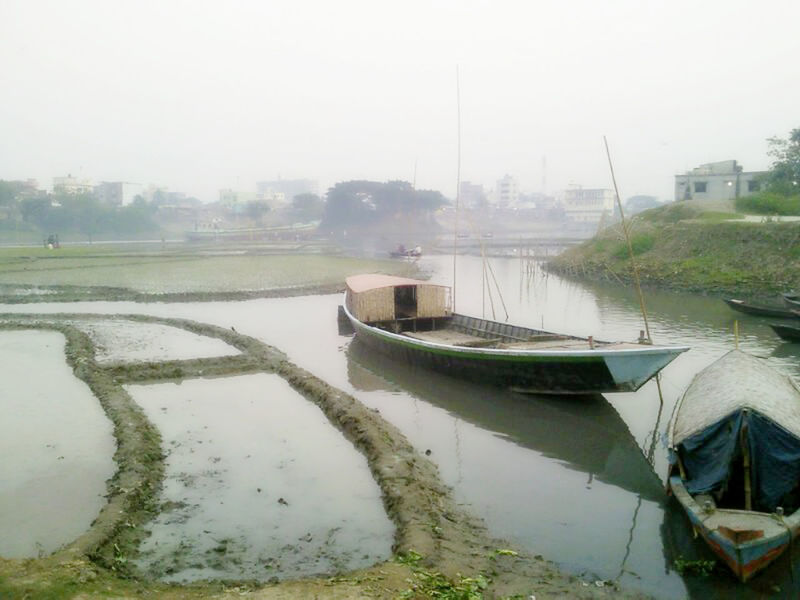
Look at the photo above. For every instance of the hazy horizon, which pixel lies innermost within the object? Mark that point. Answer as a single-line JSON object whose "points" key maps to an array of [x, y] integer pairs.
{"points": [[199, 96]]}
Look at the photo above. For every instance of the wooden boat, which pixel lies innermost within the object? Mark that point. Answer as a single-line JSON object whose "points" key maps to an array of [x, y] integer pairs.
{"points": [[402, 252], [735, 460], [792, 300], [412, 320], [787, 332], [760, 310]]}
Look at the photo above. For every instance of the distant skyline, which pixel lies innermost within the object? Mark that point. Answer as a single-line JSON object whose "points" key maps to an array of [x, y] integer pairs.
{"points": [[204, 95]]}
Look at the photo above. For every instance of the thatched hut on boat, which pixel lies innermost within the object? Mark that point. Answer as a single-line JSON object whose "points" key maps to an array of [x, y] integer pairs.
{"points": [[385, 298]]}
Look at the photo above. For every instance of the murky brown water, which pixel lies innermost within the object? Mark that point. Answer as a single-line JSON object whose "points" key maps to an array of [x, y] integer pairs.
{"points": [[565, 478], [56, 447]]}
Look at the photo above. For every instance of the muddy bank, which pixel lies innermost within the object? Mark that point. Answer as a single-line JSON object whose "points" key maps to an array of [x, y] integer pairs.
{"points": [[436, 542], [64, 293]]}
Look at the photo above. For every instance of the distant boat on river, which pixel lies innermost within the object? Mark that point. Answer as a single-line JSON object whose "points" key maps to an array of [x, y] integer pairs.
{"points": [[735, 460], [412, 321], [402, 252], [761, 310], [247, 234]]}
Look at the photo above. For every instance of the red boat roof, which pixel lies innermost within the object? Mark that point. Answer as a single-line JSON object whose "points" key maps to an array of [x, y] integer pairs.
{"points": [[362, 283]]}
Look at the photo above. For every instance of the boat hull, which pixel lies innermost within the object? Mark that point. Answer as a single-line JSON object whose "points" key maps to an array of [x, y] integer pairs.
{"points": [[792, 300], [744, 558], [790, 334], [543, 372], [761, 311]]}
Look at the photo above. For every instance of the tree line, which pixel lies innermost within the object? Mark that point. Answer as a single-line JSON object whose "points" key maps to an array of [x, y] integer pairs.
{"points": [[359, 203]]}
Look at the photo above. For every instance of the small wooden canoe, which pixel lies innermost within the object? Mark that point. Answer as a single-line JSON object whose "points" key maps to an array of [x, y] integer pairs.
{"points": [[792, 300], [734, 445], [787, 332], [761, 310]]}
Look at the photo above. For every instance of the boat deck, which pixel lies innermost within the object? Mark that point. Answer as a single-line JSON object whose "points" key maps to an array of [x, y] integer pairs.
{"points": [[539, 342]]}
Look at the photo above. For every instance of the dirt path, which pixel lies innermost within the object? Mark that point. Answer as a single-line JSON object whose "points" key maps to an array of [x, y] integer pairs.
{"points": [[438, 545]]}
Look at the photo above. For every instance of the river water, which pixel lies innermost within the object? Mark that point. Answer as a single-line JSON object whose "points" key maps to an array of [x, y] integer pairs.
{"points": [[577, 480]]}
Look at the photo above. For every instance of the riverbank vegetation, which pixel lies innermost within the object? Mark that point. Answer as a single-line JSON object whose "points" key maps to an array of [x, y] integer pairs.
{"points": [[739, 246], [694, 247]]}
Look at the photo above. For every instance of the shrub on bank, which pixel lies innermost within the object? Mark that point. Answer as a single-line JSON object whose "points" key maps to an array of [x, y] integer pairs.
{"points": [[640, 243], [769, 204]]}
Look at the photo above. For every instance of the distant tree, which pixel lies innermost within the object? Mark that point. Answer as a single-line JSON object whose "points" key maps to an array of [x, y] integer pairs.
{"points": [[35, 210], [8, 193], [784, 174], [307, 207], [256, 209], [365, 202]]}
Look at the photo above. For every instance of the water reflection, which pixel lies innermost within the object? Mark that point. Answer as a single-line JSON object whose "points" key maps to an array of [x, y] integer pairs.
{"points": [[549, 425]]}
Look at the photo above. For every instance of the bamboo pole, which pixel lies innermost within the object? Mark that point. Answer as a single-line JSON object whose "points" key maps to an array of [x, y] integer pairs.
{"points": [[748, 501], [458, 187], [634, 268]]}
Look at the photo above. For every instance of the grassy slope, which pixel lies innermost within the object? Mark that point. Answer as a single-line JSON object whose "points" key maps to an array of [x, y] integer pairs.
{"points": [[690, 247]]}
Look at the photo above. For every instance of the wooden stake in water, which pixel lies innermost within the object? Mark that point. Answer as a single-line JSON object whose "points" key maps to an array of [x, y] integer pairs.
{"points": [[736, 334]]}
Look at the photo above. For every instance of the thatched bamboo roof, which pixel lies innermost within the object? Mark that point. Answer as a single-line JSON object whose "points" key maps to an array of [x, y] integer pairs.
{"points": [[371, 281], [735, 382]]}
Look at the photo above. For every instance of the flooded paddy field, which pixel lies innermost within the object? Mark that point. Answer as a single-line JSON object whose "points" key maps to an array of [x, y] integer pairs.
{"points": [[56, 443], [122, 340], [578, 481], [176, 273], [258, 485]]}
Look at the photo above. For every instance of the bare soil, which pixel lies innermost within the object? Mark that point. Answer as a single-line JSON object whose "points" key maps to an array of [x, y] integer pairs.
{"points": [[436, 539]]}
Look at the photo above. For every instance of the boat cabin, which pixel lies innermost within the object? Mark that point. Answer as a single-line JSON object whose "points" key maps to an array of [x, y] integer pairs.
{"points": [[735, 436], [397, 302]]}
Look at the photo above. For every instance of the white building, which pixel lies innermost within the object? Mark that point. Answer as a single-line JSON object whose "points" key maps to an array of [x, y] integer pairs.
{"points": [[587, 205], [71, 185], [507, 192], [716, 181], [284, 190]]}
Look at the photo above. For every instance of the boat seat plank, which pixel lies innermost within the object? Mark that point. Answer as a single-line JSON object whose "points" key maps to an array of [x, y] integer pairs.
{"points": [[447, 336]]}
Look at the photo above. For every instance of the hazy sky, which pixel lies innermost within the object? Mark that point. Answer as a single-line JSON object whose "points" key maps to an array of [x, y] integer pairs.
{"points": [[201, 95]]}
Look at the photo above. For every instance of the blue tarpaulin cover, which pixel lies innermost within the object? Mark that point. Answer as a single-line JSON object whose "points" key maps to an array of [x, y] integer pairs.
{"points": [[707, 457]]}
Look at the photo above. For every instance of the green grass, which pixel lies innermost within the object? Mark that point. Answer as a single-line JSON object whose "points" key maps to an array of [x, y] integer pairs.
{"points": [[769, 204], [640, 243], [186, 273], [715, 216]]}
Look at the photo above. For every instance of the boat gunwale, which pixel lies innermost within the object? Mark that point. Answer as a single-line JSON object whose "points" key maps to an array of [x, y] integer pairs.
{"points": [[510, 352], [791, 521]]}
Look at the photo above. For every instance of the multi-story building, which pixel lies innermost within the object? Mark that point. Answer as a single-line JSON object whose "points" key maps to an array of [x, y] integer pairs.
{"points": [[507, 192], [471, 195], [716, 181], [286, 189], [117, 193], [587, 205], [71, 185]]}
